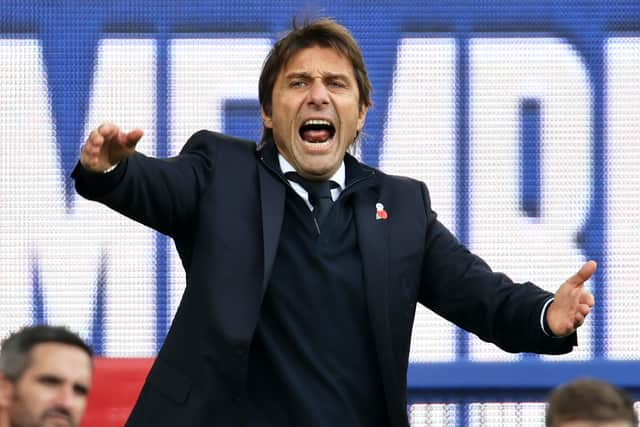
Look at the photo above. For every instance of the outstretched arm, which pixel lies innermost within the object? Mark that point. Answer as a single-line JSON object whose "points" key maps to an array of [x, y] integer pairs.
{"points": [[160, 193], [572, 303]]}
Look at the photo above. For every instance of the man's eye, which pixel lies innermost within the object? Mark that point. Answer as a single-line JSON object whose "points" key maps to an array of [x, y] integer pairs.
{"points": [[338, 84], [296, 83], [80, 390], [49, 380]]}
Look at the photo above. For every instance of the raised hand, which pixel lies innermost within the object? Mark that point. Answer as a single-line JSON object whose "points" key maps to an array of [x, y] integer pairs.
{"points": [[106, 146], [572, 302]]}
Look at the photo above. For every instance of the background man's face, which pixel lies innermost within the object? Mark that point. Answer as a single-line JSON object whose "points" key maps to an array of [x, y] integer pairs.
{"points": [[315, 111], [52, 392]]}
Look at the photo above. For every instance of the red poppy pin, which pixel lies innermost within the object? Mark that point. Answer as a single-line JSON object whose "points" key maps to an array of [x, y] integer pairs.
{"points": [[380, 212]]}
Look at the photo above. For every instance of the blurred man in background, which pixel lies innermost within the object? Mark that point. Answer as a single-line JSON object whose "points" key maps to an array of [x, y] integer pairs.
{"points": [[590, 403], [45, 377]]}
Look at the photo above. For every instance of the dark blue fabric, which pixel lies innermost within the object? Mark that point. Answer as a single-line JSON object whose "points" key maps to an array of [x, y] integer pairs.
{"points": [[224, 206], [313, 360]]}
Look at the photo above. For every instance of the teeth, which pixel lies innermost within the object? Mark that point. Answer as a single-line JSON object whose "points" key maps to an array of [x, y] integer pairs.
{"points": [[317, 122]]}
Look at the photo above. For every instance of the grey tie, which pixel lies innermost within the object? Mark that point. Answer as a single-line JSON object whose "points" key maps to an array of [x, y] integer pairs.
{"points": [[319, 195]]}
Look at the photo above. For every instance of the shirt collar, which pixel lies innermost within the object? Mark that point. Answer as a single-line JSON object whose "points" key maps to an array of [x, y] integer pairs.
{"points": [[338, 177]]}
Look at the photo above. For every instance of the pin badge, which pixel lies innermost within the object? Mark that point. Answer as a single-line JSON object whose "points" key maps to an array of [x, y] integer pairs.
{"points": [[380, 212]]}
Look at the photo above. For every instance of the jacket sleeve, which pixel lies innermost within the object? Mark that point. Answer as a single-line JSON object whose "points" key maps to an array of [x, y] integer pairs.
{"points": [[462, 288], [160, 193]]}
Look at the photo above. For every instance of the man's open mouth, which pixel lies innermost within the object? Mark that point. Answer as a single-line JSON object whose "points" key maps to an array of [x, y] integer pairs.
{"points": [[317, 130]]}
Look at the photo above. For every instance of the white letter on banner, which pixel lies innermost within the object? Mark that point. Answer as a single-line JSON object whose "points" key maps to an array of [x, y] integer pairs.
{"points": [[420, 141], [124, 92], [203, 74], [541, 249], [623, 195], [35, 229], [31, 194]]}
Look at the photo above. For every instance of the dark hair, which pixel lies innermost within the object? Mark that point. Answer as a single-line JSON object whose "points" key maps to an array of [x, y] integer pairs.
{"points": [[589, 400], [15, 355], [323, 32]]}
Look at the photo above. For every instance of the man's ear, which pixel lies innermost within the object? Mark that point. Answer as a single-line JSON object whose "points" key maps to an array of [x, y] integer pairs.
{"points": [[266, 118], [6, 391], [362, 115]]}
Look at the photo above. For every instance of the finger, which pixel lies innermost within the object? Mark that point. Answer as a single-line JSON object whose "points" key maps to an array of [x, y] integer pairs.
{"points": [[579, 319], [125, 139], [584, 274], [108, 130], [89, 150], [91, 147], [587, 298], [95, 138], [584, 310], [132, 138], [90, 157]]}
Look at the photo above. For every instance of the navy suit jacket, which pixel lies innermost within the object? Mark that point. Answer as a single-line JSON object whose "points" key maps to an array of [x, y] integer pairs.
{"points": [[223, 205]]}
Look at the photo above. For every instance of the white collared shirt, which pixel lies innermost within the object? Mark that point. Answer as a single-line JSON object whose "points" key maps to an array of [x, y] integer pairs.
{"points": [[339, 178]]}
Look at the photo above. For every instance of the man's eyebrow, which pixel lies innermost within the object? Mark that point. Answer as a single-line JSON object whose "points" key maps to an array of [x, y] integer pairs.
{"points": [[298, 75], [49, 378], [325, 75], [331, 75]]}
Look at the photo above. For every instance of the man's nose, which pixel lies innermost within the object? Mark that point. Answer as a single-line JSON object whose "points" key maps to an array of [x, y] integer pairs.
{"points": [[66, 398], [318, 93]]}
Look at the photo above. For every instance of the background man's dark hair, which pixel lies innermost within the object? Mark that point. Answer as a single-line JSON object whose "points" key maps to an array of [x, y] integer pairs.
{"points": [[15, 355], [323, 32], [589, 400]]}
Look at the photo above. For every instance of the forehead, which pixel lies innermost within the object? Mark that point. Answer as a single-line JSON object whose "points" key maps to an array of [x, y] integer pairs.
{"points": [[317, 59], [65, 361]]}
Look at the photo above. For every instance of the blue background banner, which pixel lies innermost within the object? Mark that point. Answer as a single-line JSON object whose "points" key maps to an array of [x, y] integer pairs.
{"points": [[59, 75]]}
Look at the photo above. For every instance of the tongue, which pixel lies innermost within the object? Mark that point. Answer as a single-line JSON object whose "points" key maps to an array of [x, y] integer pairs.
{"points": [[315, 135]]}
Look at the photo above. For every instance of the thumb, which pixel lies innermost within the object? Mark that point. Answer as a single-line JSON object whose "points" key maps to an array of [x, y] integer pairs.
{"points": [[584, 274], [131, 138]]}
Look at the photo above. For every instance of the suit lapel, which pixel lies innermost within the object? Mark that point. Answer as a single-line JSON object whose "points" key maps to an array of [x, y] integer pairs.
{"points": [[272, 196], [373, 239]]}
